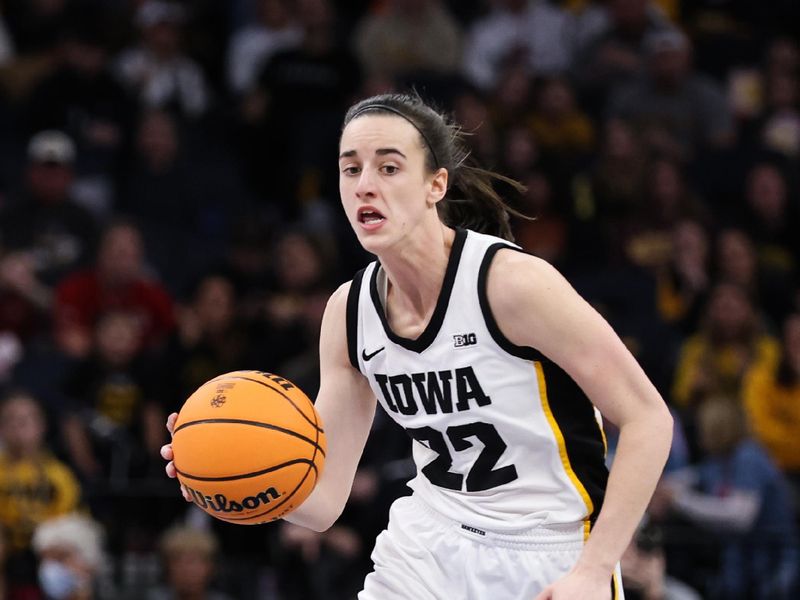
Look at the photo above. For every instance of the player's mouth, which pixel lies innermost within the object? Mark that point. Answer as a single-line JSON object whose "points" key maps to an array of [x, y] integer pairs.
{"points": [[369, 217]]}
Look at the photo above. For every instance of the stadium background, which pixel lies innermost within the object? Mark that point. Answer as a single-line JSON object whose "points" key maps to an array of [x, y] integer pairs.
{"points": [[169, 211]]}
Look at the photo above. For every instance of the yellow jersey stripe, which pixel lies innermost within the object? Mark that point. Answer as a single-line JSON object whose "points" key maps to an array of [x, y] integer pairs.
{"points": [[562, 447]]}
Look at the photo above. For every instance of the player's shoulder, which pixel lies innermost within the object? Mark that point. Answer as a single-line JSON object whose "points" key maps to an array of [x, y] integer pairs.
{"points": [[515, 268], [337, 302], [518, 281]]}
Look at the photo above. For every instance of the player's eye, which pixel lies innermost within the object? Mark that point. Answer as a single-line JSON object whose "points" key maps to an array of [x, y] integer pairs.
{"points": [[390, 169], [351, 170]]}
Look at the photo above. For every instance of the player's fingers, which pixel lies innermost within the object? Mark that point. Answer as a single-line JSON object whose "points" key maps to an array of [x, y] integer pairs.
{"points": [[170, 468], [186, 494], [166, 452], [171, 422]]}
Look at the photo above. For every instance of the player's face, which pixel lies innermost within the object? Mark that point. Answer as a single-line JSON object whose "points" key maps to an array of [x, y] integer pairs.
{"points": [[385, 188]]}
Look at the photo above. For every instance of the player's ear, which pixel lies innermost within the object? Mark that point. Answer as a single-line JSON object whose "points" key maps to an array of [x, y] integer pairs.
{"points": [[438, 186]]}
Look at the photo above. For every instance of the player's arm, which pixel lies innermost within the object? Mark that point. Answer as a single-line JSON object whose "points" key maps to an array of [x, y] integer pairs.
{"points": [[346, 406], [536, 307]]}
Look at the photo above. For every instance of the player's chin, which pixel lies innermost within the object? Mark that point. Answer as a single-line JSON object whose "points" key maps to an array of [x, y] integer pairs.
{"points": [[372, 239]]}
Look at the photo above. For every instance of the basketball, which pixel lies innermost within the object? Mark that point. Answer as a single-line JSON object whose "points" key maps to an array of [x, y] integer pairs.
{"points": [[249, 446]]}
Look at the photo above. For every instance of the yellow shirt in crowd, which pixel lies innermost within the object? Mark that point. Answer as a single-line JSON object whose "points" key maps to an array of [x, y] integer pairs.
{"points": [[31, 491], [774, 413]]}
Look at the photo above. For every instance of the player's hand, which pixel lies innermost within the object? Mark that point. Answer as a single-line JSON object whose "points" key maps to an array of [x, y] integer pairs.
{"points": [[166, 454], [579, 583]]}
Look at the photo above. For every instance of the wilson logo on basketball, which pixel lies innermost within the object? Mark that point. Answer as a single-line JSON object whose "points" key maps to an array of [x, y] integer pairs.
{"points": [[218, 400], [219, 503]]}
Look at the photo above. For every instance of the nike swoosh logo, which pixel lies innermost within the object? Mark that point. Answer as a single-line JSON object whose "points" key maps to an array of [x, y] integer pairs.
{"points": [[368, 357]]}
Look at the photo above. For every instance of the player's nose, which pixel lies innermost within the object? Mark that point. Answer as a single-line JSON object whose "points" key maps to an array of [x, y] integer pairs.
{"points": [[366, 186]]}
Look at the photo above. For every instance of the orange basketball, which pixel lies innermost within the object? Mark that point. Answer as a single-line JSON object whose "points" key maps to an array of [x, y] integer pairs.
{"points": [[249, 446]]}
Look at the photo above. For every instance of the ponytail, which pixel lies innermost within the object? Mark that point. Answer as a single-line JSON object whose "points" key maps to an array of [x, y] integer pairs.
{"points": [[473, 203]]}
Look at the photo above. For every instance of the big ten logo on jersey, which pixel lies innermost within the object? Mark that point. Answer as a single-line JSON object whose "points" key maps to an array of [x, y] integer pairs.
{"points": [[464, 339]]}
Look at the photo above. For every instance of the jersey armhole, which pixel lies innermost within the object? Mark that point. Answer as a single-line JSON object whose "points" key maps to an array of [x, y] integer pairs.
{"points": [[523, 352], [351, 318]]}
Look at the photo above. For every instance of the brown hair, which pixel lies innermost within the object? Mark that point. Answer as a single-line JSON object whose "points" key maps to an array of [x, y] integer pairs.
{"points": [[471, 200]]}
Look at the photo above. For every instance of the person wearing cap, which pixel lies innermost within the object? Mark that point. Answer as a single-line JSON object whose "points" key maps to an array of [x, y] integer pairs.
{"points": [[680, 110], [80, 96], [44, 224], [157, 70], [70, 551]]}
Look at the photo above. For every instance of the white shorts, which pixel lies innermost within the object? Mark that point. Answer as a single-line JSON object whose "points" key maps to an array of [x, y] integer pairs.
{"points": [[423, 555]]}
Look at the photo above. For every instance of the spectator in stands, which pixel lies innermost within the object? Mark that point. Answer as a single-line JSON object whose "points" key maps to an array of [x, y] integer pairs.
{"points": [[511, 100], [532, 34], [768, 283], [112, 425], [292, 119], [616, 53], [82, 98], [731, 341], [408, 37], [668, 200], [252, 46], [190, 558], [561, 128], [520, 152], [211, 337], [610, 192], [183, 198], [45, 223], [772, 219], [25, 301], [304, 266], [738, 495], [772, 399], [644, 569], [34, 486], [156, 70], [471, 110], [678, 109], [682, 284], [71, 559], [118, 280], [780, 122], [547, 235]]}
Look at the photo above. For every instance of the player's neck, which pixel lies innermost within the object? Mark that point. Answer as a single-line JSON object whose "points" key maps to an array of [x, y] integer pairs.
{"points": [[415, 274]]}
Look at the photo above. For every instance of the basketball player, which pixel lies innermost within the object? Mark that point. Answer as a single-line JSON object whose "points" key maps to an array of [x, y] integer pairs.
{"points": [[495, 367]]}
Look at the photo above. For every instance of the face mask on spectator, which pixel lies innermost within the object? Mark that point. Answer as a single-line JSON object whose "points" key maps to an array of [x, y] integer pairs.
{"points": [[56, 580]]}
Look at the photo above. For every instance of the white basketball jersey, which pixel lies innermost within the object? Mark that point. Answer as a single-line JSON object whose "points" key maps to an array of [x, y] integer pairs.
{"points": [[503, 439]]}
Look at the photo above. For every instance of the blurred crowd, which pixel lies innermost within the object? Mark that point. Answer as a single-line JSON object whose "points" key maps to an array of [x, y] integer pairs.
{"points": [[169, 211]]}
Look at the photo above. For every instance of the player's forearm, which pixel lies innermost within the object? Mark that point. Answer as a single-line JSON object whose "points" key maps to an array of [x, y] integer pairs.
{"points": [[323, 507], [641, 454]]}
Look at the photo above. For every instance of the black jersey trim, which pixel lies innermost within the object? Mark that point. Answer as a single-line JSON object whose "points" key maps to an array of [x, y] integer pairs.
{"points": [[523, 352], [572, 411], [574, 415], [427, 337], [351, 318]]}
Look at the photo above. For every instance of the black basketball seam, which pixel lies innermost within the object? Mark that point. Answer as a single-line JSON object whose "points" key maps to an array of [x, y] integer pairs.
{"points": [[245, 475], [254, 424], [281, 503], [266, 385], [311, 465]]}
